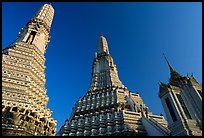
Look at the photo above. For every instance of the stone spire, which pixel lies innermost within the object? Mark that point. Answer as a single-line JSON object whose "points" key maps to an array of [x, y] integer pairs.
{"points": [[45, 14], [170, 67], [37, 30], [102, 45], [108, 107], [104, 71], [24, 99], [175, 76]]}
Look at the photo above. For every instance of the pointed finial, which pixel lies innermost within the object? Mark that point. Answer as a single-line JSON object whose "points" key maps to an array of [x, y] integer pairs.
{"points": [[170, 67], [159, 82], [191, 74], [187, 74], [101, 34]]}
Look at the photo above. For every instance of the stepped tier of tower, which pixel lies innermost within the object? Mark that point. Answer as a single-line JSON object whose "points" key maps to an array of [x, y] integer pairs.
{"points": [[108, 107], [24, 99]]}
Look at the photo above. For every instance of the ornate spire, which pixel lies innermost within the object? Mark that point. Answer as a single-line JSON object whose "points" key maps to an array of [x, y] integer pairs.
{"points": [[175, 76], [25, 113], [170, 67], [108, 100], [104, 71], [102, 45], [45, 14], [37, 30]]}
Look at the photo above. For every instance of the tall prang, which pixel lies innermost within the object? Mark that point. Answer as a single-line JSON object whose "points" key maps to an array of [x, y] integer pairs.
{"points": [[108, 107], [24, 99], [182, 102]]}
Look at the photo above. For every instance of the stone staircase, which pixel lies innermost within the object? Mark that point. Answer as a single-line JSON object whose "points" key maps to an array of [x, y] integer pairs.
{"points": [[134, 122]]}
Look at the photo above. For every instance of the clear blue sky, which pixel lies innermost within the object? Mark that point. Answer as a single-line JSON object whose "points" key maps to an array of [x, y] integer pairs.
{"points": [[137, 34]]}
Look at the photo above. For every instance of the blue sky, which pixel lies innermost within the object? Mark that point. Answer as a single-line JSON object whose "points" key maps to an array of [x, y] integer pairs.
{"points": [[137, 34]]}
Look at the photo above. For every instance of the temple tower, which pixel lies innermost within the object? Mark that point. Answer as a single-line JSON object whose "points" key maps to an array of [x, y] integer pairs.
{"points": [[108, 107], [24, 99], [182, 102]]}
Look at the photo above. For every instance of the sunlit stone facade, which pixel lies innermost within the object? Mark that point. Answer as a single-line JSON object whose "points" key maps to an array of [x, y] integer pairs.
{"points": [[108, 107], [182, 102], [24, 99]]}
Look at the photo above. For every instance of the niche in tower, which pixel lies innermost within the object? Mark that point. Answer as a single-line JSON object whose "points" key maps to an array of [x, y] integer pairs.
{"points": [[31, 37]]}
